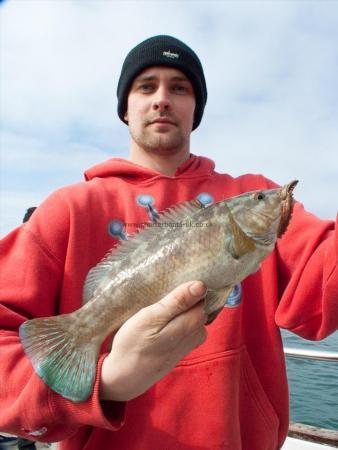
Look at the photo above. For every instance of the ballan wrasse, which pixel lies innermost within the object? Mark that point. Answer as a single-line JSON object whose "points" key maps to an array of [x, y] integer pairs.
{"points": [[220, 244]]}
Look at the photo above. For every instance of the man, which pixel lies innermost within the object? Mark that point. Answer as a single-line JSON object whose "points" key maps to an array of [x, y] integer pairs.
{"points": [[163, 385]]}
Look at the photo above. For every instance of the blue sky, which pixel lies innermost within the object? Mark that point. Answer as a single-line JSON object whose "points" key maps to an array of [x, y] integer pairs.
{"points": [[272, 75]]}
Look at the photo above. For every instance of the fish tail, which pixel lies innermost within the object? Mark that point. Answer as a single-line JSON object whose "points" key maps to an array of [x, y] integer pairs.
{"points": [[65, 360]]}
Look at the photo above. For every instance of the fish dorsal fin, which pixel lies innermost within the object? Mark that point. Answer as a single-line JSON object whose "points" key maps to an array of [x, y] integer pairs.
{"points": [[112, 263], [180, 212], [94, 278], [240, 243]]}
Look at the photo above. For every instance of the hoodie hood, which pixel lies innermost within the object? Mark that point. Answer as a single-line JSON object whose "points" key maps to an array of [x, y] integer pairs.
{"points": [[195, 166]]}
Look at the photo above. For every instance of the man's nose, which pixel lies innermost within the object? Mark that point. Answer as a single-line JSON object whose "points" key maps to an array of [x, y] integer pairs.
{"points": [[161, 101]]}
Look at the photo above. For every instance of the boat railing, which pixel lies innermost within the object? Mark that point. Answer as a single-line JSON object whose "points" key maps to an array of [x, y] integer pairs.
{"points": [[308, 432], [304, 353]]}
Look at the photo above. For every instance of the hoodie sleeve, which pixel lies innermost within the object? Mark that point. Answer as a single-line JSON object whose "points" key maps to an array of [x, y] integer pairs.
{"points": [[30, 285], [308, 276]]}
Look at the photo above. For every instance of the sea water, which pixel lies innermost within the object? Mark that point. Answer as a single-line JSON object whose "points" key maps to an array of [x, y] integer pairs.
{"points": [[313, 384]]}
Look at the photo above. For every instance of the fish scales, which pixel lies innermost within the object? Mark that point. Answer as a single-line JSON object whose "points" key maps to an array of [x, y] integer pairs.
{"points": [[219, 245], [156, 268]]}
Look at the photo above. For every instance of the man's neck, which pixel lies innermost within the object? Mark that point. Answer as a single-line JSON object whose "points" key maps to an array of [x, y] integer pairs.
{"points": [[166, 164]]}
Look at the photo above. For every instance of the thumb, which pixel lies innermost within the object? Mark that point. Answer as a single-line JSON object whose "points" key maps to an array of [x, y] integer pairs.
{"points": [[179, 300]]}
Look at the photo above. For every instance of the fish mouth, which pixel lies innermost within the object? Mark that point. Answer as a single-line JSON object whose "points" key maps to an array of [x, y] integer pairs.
{"points": [[287, 204], [287, 189]]}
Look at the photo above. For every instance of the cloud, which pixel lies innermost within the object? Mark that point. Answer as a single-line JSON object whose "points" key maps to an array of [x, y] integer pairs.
{"points": [[271, 70], [36, 154], [13, 206]]}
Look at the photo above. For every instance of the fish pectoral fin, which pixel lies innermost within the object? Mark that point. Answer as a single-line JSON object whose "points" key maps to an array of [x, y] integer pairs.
{"points": [[212, 316], [65, 363], [240, 244], [215, 300]]}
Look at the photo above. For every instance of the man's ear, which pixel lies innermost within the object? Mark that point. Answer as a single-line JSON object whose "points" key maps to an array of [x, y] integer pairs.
{"points": [[126, 116]]}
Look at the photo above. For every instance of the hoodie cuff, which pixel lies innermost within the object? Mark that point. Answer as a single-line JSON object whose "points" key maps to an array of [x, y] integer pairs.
{"points": [[93, 412]]}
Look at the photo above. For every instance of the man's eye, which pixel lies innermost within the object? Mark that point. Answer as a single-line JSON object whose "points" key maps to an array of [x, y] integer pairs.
{"points": [[179, 88], [146, 87]]}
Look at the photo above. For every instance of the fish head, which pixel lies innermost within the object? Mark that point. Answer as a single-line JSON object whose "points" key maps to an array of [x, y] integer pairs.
{"points": [[263, 215]]}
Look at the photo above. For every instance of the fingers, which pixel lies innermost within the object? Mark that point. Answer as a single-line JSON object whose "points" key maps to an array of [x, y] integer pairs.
{"points": [[196, 337], [190, 342], [181, 299], [187, 322], [153, 341]]}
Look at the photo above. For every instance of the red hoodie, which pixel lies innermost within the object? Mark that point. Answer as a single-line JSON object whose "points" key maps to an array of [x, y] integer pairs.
{"points": [[228, 394]]}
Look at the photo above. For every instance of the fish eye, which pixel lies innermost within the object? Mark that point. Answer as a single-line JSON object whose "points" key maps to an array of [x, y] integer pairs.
{"points": [[259, 196]]}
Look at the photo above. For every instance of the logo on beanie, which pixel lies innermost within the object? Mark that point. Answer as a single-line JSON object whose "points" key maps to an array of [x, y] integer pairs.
{"points": [[170, 55]]}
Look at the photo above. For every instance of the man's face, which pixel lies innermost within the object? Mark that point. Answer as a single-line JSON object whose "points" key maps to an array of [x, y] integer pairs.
{"points": [[160, 111]]}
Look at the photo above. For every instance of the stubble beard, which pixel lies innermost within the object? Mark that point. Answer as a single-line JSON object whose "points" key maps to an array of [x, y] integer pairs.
{"points": [[169, 142]]}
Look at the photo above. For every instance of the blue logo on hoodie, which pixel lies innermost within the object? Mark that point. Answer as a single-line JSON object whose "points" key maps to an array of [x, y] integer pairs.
{"points": [[235, 297], [116, 229]]}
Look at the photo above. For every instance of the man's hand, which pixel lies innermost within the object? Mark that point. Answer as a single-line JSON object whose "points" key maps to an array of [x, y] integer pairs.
{"points": [[153, 341]]}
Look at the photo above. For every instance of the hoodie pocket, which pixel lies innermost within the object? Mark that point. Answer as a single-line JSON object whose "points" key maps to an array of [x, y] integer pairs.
{"points": [[211, 402], [214, 402], [259, 422]]}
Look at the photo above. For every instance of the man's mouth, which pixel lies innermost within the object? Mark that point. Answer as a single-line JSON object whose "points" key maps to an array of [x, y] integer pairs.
{"points": [[162, 120]]}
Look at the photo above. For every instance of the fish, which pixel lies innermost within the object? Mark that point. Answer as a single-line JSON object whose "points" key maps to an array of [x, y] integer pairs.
{"points": [[220, 244]]}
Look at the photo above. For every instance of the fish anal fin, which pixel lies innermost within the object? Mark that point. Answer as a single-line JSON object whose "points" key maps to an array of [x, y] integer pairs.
{"points": [[215, 300], [66, 364]]}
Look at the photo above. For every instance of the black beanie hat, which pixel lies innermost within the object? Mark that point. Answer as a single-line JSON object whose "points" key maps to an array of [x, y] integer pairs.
{"points": [[162, 51]]}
